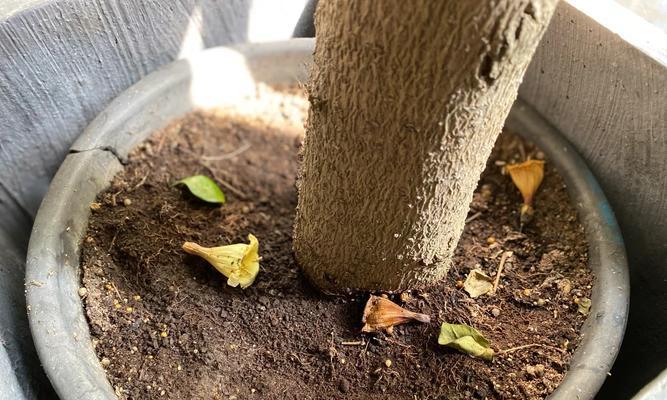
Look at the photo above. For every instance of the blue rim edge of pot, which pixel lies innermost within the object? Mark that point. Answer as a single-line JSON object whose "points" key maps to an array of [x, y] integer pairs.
{"points": [[57, 321]]}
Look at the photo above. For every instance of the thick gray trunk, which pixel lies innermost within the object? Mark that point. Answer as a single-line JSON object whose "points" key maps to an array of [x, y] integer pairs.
{"points": [[407, 99]]}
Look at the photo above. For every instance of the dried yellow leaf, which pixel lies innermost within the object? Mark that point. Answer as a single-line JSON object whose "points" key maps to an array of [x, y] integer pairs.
{"points": [[238, 262], [465, 339], [478, 283]]}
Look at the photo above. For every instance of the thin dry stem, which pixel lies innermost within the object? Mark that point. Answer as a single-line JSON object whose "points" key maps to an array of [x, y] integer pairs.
{"points": [[504, 258], [474, 216], [229, 155], [525, 346]]}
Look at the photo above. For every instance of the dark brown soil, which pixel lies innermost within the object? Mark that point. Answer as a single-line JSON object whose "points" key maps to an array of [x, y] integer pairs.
{"points": [[166, 325]]}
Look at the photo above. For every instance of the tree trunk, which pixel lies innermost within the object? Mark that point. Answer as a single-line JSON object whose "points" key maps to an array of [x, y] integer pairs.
{"points": [[407, 99]]}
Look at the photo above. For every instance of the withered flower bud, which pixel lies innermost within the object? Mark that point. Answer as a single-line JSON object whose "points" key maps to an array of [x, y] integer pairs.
{"points": [[527, 176], [382, 314]]}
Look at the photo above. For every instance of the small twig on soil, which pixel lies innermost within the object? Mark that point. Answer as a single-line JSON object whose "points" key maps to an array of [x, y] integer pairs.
{"points": [[113, 241], [232, 188], [245, 146], [399, 343], [496, 254], [142, 370], [202, 161], [141, 182], [394, 373], [113, 197], [522, 150], [159, 146], [115, 289], [474, 216], [332, 354], [224, 183], [180, 301], [355, 343], [525, 346], [149, 258], [501, 264], [363, 352], [174, 216], [303, 363]]}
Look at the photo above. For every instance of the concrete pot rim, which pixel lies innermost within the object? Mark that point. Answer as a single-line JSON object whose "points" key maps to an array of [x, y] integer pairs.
{"points": [[59, 327]]}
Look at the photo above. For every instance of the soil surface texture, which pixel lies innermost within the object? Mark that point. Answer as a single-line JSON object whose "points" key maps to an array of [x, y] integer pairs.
{"points": [[165, 325]]}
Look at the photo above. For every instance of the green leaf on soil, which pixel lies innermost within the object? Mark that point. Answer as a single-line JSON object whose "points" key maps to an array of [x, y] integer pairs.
{"points": [[477, 283], [204, 188], [466, 340], [584, 305]]}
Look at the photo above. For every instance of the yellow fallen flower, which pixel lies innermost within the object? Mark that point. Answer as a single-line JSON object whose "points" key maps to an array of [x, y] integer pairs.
{"points": [[238, 262], [527, 176]]}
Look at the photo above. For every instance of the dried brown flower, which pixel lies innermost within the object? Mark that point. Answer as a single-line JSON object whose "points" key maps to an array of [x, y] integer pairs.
{"points": [[382, 314], [527, 176]]}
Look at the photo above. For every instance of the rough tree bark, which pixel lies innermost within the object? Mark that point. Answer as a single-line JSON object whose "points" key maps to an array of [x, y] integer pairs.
{"points": [[407, 99]]}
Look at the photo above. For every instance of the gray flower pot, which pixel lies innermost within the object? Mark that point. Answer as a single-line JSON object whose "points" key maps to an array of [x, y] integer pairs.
{"points": [[223, 76]]}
